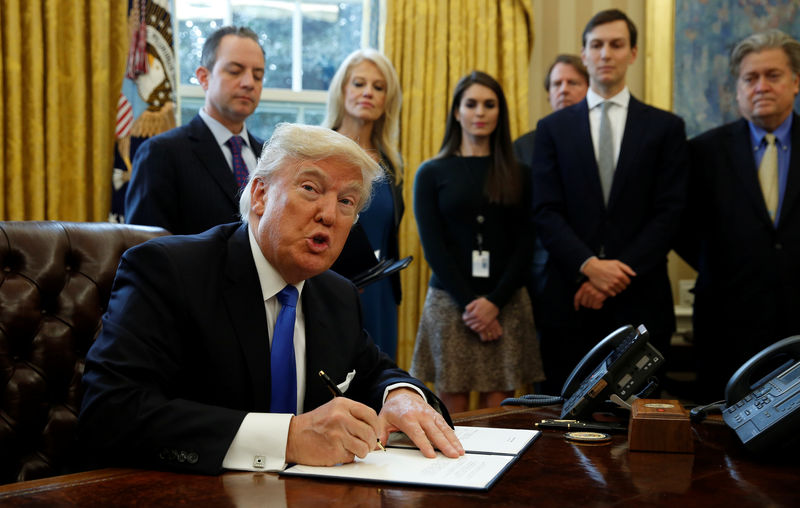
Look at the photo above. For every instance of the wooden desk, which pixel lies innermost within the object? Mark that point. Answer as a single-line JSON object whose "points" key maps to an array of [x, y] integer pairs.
{"points": [[552, 472]]}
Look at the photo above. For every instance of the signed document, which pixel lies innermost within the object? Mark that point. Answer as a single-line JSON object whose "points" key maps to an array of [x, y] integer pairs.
{"points": [[488, 453]]}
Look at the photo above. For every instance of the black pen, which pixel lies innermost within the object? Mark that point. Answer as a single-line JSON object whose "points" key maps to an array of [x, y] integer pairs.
{"points": [[338, 393]]}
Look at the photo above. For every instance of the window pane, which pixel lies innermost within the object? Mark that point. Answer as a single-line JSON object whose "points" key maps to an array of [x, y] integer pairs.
{"points": [[191, 37], [273, 24], [313, 115], [330, 33]]}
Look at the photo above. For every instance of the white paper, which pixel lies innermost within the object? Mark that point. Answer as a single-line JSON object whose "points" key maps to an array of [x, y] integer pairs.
{"points": [[480, 439], [406, 465], [489, 451]]}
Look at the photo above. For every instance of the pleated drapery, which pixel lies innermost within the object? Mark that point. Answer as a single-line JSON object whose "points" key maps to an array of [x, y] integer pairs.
{"points": [[61, 68], [432, 44]]}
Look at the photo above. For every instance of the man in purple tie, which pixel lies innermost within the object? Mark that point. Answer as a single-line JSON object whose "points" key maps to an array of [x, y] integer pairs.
{"points": [[212, 344], [188, 179]]}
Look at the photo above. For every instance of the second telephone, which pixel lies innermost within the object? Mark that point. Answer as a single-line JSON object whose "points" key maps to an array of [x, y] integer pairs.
{"points": [[763, 398], [621, 364]]}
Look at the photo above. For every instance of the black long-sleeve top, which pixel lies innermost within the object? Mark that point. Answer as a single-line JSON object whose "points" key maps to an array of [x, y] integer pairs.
{"points": [[449, 198]]}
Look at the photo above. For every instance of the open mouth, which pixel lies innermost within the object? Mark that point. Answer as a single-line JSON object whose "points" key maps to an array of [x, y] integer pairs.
{"points": [[318, 242]]}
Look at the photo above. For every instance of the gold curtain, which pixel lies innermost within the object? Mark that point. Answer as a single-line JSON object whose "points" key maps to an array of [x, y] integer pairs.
{"points": [[432, 45], [61, 68]]}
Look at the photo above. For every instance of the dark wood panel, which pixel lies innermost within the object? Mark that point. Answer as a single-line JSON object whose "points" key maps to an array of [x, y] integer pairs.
{"points": [[553, 472]]}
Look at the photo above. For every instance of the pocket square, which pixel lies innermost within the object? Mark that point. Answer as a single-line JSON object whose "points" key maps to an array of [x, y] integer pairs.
{"points": [[346, 384]]}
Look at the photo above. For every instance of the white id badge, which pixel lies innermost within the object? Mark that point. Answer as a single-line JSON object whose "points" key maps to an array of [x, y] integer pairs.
{"points": [[480, 263]]}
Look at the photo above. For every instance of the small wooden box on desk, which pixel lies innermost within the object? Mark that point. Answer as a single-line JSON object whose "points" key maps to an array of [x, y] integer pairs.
{"points": [[659, 425]]}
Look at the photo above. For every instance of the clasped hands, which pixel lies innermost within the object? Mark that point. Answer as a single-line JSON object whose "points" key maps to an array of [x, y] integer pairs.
{"points": [[343, 429], [481, 316], [607, 278]]}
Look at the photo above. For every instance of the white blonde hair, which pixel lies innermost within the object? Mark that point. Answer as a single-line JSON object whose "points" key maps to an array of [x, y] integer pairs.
{"points": [[292, 144], [386, 131]]}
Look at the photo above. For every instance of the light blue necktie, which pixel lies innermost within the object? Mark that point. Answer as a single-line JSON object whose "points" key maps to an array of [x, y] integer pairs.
{"points": [[605, 152], [283, 397]]}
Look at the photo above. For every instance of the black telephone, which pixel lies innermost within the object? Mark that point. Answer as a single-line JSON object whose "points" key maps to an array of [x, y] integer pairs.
{"points": [[765, 413], [621, 364]]}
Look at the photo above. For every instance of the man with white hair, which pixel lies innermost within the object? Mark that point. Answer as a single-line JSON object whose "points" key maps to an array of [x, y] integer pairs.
{"points": [[196, 368]]}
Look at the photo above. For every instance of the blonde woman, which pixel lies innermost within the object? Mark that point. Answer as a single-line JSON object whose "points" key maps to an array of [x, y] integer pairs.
{"points": [[364, 104]]}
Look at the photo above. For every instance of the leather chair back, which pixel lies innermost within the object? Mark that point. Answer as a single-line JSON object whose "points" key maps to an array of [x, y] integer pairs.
{"points": [[55, 282]]}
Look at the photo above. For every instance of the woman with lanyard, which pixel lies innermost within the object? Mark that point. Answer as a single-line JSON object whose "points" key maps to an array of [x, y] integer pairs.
{"points": [[364, 104], [472, 205]]}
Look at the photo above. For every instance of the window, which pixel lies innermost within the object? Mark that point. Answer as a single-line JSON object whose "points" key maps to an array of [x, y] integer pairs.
{"points": [[304, 43]]}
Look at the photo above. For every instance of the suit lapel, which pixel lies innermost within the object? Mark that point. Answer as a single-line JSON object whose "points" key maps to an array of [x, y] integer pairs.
{"points": [[584, 146], [792, 191], [256, 144], [208, 152], [321, 349], [744, 166], [244, 301], [629, 148]]}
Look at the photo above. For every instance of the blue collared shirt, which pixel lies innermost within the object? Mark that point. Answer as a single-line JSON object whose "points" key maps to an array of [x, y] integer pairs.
{"points": [[783, 141]]}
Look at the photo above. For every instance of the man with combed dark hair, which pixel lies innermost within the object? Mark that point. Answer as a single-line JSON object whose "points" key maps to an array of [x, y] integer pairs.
{"points": [[185, 373], [742, 227], [187, 179], [609, 190]]}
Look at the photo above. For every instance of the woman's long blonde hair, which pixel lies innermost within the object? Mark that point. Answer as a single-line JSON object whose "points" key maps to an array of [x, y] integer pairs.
{"points": [[386, 130]]}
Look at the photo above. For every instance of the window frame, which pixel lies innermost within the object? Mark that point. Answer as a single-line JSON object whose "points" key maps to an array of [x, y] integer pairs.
{"points": [[371, 15]]}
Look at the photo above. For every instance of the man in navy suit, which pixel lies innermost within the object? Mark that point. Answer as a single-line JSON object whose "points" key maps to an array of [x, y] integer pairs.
{"points": [[607, 235], [181, 376], [742, 227], [183, 180]]}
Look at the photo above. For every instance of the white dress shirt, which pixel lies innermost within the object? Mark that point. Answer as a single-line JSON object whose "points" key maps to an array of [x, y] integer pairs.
{"points": [[617, 116], [222, 135]]}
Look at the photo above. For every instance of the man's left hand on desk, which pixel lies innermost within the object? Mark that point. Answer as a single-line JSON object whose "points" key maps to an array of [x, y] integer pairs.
{"points": [[406, 411]]}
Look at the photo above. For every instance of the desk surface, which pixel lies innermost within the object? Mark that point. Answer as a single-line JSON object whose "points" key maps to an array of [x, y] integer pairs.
{"points": [[552, 472]]}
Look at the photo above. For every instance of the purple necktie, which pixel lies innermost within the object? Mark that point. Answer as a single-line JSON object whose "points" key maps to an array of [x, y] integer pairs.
{"points": [[239, 167], [283, 381]]}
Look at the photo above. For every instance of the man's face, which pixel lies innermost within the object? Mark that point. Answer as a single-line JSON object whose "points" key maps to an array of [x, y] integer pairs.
{"points": [[567, 86], [233, 86], [766, 88], [302, 216], [607, 55]]}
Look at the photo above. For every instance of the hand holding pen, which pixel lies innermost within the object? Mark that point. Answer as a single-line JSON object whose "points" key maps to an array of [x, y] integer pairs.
{"points": [[334, 433], [336, 392]]}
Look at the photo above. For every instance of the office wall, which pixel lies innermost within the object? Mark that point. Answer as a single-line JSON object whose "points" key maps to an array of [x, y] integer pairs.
{"points": [[558, 26]]}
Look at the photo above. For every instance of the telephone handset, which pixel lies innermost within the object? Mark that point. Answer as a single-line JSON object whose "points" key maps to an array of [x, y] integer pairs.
{"points": [[621, 364], [763, 397]]}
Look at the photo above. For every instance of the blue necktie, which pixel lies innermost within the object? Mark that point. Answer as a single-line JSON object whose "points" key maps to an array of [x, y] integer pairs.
{"points": [[283, 398], [239, 167]]}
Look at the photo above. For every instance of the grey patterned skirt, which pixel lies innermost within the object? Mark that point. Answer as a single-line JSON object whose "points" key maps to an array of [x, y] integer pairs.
{"points": [[453, 357]]}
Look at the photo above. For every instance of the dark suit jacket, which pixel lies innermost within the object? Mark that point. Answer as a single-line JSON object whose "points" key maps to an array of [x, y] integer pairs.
{"points": [[182, 182], [646, 201], [748, 286], [523, 147], [184, 353]]}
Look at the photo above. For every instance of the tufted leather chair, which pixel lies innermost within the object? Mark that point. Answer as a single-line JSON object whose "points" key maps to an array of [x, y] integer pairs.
{"points": [[55, 282]]}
